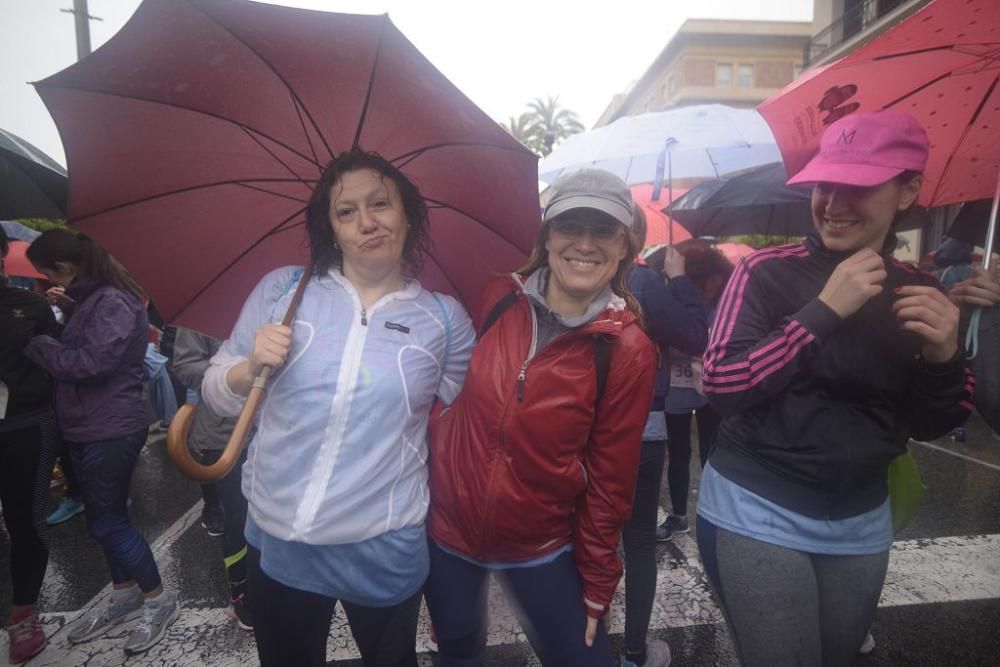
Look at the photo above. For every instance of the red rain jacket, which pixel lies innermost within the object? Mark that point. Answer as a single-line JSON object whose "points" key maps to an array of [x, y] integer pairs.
{"points": [[516, 477]]}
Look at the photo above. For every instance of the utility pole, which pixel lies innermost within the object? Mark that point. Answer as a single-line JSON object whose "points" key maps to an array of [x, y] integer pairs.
{"points": [[82, 17]]}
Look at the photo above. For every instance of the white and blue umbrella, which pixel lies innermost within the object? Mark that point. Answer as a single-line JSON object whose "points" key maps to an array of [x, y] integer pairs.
{"points": [[704, 141], [18, 232]]}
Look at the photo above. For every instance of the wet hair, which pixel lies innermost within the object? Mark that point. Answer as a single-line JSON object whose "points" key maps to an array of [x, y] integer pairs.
{"points": [[86, 255], [702, 261], [324, 252], [639, 226], [619, 282]]}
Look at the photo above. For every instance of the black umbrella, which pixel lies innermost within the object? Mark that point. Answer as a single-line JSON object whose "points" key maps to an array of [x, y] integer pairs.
{"points": [[971, 222], [32, 185], [754, 202]]}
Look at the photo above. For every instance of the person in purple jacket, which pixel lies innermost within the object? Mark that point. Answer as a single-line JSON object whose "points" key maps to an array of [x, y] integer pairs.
{"points": [[97, 365]]}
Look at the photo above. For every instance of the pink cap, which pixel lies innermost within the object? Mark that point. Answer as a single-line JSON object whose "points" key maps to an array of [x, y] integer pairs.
{"points": [[867, 149]]}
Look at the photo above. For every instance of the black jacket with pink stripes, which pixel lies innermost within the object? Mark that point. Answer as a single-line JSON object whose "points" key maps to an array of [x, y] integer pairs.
{"points": [[817, 406]]}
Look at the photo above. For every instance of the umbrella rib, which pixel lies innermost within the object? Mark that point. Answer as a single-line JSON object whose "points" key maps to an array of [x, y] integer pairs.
{"points": [[305, 132], [185, 108], [440, 204], [190, 188], [965, 133], [273, 154], [371, 82], [230, 265], [916, 90], [291, 91], [406, 158], [273, 193], [444, 273]]}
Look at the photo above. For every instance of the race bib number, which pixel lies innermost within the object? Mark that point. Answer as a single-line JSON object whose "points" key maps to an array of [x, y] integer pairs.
{"points": [[681, 374]]}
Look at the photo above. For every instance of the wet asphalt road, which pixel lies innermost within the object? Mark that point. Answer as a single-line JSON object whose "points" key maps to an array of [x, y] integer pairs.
{"points": [[941, 607]]}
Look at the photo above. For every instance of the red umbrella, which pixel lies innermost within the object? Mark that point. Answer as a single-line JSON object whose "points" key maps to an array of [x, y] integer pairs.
{"points": [[940, 65], [17, 264], [194, 137], [658, 223]]}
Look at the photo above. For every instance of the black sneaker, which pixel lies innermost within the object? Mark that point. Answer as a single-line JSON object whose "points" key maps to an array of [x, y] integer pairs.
{"points": [[674, 525], [239, 611], [212, 521]]}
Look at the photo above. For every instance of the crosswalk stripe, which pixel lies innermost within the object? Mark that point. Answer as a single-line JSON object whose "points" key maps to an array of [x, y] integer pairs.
{"points": [[922, 571]]}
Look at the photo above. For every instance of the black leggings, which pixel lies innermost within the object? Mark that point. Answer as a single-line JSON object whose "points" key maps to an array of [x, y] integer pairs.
{"points": [[105, 472], [228, 492], [679, 447], [26, 457], [639, 540], [291, 626], [788, 607]]}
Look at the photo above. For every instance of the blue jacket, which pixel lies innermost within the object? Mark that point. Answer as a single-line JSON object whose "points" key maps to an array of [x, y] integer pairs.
{"points": [[675, 317], [97, 364]]}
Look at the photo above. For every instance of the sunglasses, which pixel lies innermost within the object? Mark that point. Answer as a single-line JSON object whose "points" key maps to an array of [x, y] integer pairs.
{"points": [[601, 230]]}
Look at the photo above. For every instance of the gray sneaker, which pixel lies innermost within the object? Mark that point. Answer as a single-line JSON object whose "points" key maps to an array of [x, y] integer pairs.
{"points": [[657, 654], [102, 619], [156, 618]]}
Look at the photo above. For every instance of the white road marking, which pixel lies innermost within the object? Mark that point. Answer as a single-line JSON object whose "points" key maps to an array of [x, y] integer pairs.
{"points": [[923, 571], [964, 457]]}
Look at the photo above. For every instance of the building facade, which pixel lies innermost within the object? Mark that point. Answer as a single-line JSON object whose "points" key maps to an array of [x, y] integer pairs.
{"points": [[841, 26], [739, 63]]}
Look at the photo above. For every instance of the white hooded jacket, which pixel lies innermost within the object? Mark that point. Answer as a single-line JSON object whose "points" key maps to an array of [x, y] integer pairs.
{"points": [[340, 451]]}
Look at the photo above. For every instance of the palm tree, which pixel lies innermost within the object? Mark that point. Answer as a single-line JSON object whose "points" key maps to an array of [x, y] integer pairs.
{"points": [[521, 129], [551, 124]]}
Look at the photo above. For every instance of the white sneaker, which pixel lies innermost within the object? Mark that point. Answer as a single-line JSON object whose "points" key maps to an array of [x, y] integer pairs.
{"points": [[867, 645]]}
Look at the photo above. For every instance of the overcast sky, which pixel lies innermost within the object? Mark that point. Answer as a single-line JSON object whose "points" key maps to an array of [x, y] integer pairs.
{"points": [[500, 54]]}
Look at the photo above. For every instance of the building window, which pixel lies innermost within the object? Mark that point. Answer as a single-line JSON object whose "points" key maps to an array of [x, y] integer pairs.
{"points": [[745, 76], [723, 75]]}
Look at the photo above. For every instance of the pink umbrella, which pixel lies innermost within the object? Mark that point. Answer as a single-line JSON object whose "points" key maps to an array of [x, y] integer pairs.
{"points": [[941, 65], [195, 136], [658, 223]]}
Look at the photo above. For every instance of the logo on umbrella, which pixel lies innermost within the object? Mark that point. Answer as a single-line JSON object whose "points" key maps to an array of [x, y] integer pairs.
{"points": [[833, 98]]}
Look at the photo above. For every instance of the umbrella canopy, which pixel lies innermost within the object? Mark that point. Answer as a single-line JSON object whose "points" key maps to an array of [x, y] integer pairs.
{"points": [[658, 223], [17, 264], [32, 185], [754, 202], [705, 141], [941, 65], [196, 135], [15, 230]]}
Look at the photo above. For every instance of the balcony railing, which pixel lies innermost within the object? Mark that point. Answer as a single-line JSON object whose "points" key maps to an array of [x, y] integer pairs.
{"points": [[850, 23]]}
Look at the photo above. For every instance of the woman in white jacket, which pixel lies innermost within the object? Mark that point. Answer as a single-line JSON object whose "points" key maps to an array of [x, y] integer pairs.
{"points": [[336, 475]]}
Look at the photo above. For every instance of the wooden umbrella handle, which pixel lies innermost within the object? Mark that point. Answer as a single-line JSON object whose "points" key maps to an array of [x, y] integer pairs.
{"points": [[180, 425]]}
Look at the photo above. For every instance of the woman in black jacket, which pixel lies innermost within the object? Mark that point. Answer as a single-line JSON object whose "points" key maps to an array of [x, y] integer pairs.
{"points": [[825, 358], [26, 421]]}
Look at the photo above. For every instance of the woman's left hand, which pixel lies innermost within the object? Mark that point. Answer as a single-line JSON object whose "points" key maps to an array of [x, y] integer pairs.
{"points": [[591, 634], [928, 313], [982, 289]]}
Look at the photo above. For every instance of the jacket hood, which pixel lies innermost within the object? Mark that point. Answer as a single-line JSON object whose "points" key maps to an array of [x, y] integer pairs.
{"points": [[607, 314]]}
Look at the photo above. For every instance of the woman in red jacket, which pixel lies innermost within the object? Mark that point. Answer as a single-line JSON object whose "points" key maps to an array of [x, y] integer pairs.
{"points": [[533, 467]]}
